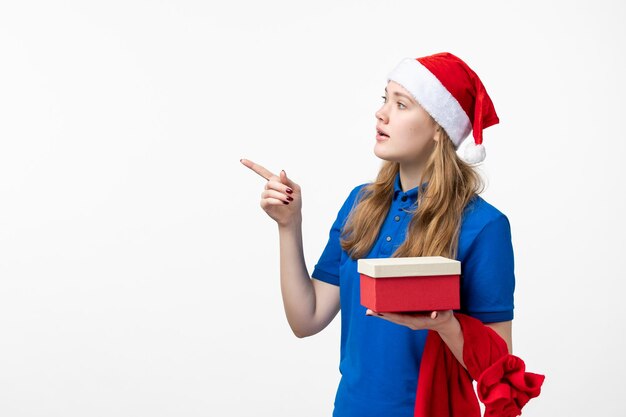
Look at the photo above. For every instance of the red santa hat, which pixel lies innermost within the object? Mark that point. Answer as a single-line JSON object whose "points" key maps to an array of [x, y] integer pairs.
{"points": [[451, 92]]}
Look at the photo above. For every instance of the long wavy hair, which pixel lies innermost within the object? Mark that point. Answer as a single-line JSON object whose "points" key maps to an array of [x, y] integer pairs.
{"points": [[434, 227]]}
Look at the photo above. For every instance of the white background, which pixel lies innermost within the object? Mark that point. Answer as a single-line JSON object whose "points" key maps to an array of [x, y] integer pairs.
{"points": [[138, 273]]}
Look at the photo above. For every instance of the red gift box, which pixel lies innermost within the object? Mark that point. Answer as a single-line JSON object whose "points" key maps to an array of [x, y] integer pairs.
{"points": [[404, 284]]}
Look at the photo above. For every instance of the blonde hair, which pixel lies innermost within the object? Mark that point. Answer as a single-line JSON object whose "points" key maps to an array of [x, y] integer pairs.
{"points": [[435, 223]]}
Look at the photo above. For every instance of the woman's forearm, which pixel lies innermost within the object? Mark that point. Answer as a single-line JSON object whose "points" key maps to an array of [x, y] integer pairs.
{"points": [[452, 335], [295, 283]]}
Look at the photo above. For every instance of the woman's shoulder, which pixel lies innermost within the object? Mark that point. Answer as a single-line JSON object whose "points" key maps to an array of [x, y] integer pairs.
{"points": [[355, 192], [360, 186], [351, 200], [479, 213], [478, 206]]}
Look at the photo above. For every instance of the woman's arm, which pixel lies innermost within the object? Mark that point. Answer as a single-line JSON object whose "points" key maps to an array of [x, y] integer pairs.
{"points": [[452, 335], [448, 327], [487, 284], [310, 304], [505, 330]]}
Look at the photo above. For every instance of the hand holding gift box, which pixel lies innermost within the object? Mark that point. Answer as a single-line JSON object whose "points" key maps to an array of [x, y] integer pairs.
{"points": [[410, 284]]}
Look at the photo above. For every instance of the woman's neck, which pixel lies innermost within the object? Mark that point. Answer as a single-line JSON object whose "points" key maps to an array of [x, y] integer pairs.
{"points": [[410, 176]]}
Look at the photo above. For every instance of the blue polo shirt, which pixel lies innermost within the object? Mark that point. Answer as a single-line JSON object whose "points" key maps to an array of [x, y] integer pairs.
{"points": [[379, 360]]}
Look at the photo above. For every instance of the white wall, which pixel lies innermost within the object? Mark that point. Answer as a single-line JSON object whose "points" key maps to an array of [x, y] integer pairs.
{"points": [[138, 274]]}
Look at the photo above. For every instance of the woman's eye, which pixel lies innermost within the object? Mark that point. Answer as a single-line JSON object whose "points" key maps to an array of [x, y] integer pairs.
{"points": [[401, 104]]}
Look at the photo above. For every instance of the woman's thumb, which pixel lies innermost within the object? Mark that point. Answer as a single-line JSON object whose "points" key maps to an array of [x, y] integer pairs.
{"points": [[284, 179]]}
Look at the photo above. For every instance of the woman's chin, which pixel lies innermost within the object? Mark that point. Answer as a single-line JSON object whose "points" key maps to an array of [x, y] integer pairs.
{"points": [[382, 153]]}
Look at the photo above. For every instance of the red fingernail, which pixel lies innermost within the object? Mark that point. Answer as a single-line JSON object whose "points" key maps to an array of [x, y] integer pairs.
{"points": [[285, 202], [289, 190], [289, 198]]}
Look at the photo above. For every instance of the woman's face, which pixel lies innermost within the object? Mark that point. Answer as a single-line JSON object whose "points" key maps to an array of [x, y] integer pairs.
{"points": [[410, 128]]}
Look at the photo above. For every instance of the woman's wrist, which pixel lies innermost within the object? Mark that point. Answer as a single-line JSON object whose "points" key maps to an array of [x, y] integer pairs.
{"points": [[294, 223], [449, 328]]}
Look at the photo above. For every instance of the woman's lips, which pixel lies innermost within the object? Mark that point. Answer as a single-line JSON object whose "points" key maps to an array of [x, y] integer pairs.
{"points": [[381, 134], [380, 137]]}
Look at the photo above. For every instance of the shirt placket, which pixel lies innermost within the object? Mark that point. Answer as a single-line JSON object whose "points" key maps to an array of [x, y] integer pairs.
{"points": [[393, 231]]}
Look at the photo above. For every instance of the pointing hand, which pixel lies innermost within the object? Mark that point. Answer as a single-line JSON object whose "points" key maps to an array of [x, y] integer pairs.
{"points": [[281, 198]]}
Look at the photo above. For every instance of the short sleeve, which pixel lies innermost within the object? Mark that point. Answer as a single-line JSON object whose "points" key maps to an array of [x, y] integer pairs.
{"points": [[488, 281], [327, 267]]}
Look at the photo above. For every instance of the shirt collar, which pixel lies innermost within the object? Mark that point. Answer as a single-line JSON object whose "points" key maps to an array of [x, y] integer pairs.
{"points": [[410, 194]]}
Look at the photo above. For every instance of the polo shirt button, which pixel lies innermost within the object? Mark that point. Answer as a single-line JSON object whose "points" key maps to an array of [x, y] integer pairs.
{"points": [[404, 198], [388, 238], [396, 218]]}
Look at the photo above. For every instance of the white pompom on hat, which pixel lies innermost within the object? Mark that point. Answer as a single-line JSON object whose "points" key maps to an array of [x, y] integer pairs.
{"points": [[451, 92]]}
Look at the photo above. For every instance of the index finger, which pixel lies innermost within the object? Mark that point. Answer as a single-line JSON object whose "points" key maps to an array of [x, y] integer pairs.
{"points": [[262, 171]]}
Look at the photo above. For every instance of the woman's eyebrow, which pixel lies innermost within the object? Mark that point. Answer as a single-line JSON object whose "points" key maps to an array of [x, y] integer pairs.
{"points": [[399, 94]]}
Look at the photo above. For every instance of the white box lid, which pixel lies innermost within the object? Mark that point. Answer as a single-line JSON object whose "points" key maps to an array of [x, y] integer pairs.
{"points": [[408, 266]]}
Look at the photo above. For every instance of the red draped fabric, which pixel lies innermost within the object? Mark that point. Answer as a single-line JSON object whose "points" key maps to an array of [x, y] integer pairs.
{"points": [[445, 387]]}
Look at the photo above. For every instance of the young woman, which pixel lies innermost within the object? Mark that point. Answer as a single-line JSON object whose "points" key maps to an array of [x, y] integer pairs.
{"points": [[423, 202]]}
